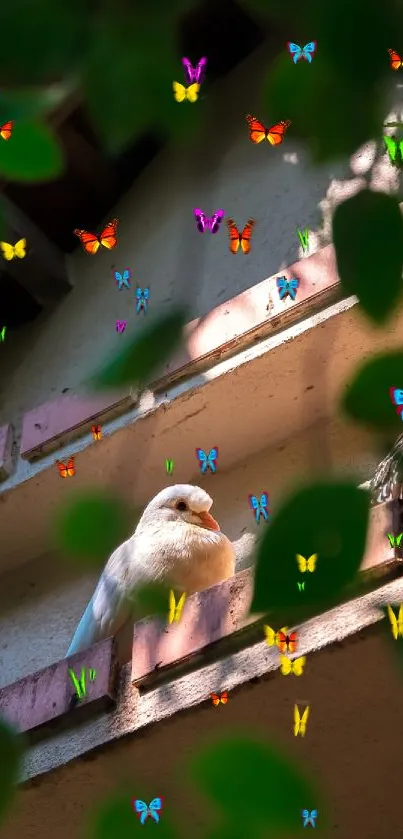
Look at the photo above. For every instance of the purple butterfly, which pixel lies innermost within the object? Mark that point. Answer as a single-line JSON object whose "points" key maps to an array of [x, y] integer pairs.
{"points": [[194, 74], [203, 222]]}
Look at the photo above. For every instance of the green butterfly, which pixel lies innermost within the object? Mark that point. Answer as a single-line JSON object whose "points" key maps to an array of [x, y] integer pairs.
{"points": [[395, 540], [395, 149]]}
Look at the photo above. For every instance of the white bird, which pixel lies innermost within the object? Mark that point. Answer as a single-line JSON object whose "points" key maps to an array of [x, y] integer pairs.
{"points": [[177, 542]]}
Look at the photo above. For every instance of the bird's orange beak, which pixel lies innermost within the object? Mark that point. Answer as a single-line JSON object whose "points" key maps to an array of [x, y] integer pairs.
{"points": [[208, 521]]}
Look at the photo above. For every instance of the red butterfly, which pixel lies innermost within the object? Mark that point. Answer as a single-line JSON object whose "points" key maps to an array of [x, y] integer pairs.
{"points": [[259, 132], [91, 242], [6, 130], [395, 60], [240, 239], [96, 432], [217, 698], [66, 471], [287, 642]]}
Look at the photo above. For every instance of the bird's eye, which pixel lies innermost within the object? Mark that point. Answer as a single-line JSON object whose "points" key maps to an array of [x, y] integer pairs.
{"points": [[181, 505]]}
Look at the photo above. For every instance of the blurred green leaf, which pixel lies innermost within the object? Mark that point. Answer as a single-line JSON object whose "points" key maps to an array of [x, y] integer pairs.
{"points": [[31, 102], [152, 599], [116, 818], [92, 525], [368, 240], [31, 154], [42, 40], [366, 397], [11, 749], [329, 519], [144, 354], [297, 92], [251, 794]]}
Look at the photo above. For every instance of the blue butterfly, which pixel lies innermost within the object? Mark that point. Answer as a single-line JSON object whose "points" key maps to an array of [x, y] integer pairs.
{"points": [[260, 507], [123, 279], [145, 811], [306, 52], [206, 460], [287, 287], [142, 296], [309, 817]]}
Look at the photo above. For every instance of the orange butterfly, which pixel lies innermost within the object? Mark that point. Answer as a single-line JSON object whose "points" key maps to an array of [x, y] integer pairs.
{"points": [[66, 471], [287, 641], [217, 698], [395, 60], [240, 239], [96, 432], [6, 130], [91, 242], [259, 132]]}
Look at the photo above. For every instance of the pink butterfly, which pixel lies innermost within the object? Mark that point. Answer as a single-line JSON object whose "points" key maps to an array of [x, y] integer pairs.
{"points": [[194, 74], [203, 222]]}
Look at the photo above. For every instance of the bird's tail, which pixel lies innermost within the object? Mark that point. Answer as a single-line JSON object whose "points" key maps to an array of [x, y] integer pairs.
{"points": [[87, 632]]}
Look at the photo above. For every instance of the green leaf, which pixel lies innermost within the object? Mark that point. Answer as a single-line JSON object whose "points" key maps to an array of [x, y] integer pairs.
{"points": [[42, 40], [92, 525], [31, 154], [256, 792], [31, 102], [328, 519], [151, 599], [144, 354], [297, 92], [368, 240], [11, 749], [366, 397], [116, 817]]}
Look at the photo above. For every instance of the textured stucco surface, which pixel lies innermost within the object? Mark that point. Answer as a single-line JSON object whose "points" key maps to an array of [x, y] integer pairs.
{"points": [[352, 747]]}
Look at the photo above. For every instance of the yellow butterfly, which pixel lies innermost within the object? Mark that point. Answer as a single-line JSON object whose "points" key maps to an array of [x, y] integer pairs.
{"points": [[175, 609], [181, 92], [10, 251], [306, 564], [300, 723], [396, 623], [296, 666], [272, 636]]}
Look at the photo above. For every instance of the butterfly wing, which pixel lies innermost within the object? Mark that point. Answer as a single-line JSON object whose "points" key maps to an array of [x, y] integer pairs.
{"points": [[63, 471], [189, 71], [192, 92], [200, 219], [20, 248], [234, 237], [108, 237], [224, 697], [212, 458], [247, 235], [6, 130], [202, 458], [395, 60], [172, 606], [154, 806], [301, 563], [308, 51], [393, 622], [297, 720], [200, 70], [258, 131], [215, 699], [285, 665], [140, 806], [304, 721], [118, 277], [305, 816], [179, 91], [275, 134], [391, 147], [295, 51], [311, 563], [216, 220], [271, 635], [400, 621], [298, 665], [179, 607], [71, 470], [8, 250], [89, 241]]}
